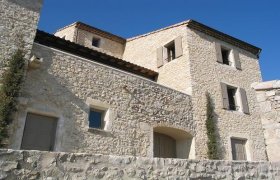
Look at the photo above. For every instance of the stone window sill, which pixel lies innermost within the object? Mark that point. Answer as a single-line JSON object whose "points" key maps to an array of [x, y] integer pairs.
{"points": [[101, 132]]}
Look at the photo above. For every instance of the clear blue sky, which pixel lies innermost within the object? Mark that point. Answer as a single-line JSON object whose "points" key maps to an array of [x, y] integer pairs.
{"points": [[254, 21]]}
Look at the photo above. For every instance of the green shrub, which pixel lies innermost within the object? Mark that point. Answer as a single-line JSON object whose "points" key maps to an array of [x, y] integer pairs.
{"points": [[11, 83], [211, 130]]}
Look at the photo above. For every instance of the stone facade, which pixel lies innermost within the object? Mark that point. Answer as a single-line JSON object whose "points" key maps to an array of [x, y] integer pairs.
{"points": [[198, 72], [268, 96], [18, 26], [66, 86], [47, 166], [206, 75], [142, 50], [84, 37]]}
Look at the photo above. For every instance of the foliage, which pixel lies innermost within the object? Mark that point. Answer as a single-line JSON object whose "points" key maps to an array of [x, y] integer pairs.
{"points": [[211, 130], [11, 83]]}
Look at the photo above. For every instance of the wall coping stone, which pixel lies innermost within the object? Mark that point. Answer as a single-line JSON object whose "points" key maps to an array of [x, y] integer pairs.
{"points": [[267, 85]]}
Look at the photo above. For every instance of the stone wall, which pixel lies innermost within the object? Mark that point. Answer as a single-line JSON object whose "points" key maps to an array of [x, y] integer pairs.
{"points": [[206, 75], [18, 24], [69, 33], [143, 51], [268, 95], [50, 166], [65, 86]]}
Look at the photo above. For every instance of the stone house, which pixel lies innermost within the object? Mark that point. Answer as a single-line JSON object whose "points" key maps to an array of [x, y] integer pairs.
{"points": [[87, 90]]}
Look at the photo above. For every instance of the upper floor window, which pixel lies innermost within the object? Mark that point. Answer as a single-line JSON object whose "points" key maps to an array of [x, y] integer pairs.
{"points": [[95, 42], [234, 98], [227, 56], [169, 51], [170, 48]]}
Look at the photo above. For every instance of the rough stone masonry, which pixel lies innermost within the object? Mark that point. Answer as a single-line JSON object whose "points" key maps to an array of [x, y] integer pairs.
{"points": [[79, 166]]}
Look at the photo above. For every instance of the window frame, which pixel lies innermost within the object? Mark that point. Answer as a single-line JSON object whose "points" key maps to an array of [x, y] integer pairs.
{"points": [[102, 118]]}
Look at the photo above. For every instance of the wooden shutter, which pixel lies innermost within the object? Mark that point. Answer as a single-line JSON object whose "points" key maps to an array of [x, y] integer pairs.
{"points": [[225, 96], [178, 47], [160, 57], [236, 59], [39, 133], [164, 146], [238, 149], [218, 49], [245, 107]]}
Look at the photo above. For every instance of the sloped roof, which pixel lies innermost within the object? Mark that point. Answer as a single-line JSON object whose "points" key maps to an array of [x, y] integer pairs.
{"points": [[92, 54]]}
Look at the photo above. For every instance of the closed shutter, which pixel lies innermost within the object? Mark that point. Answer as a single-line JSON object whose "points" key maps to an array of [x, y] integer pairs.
{"points": [[178, 47], [160, 57], [245, 107], [218, 52], [164, 146], [236, 59], [39, 133], [225, 96], [238, 149]]}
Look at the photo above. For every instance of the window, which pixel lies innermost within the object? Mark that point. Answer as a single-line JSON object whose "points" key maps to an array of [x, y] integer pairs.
{"points": [[96, 118], [170, 48], [169, 51], [95, 42], [234, 98], [238, 148], [227, 56]]}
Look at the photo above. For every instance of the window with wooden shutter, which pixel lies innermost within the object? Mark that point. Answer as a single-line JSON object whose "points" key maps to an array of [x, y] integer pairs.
{"points": [[238, 149], [245, 107]]}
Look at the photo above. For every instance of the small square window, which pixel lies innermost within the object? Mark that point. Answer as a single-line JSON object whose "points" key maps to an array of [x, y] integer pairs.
{"points": [[95, 42], [96, 118], [226, 56], [170, 47]]}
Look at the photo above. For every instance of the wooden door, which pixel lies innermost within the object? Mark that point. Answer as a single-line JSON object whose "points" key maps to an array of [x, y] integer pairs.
{"points": [[164, 146], [39, 132]]}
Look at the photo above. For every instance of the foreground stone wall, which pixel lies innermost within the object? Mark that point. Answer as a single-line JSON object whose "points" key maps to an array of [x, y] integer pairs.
{"points": [[18, 24], [45, 165], [206, 75], [65, 86], [268, 95]]}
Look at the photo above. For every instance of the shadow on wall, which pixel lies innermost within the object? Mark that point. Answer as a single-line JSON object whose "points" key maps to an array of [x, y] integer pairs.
{"points": [[221, 150]]}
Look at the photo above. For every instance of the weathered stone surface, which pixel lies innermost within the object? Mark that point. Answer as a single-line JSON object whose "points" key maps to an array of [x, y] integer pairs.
{"points": [[62, 85], [270, 107], [18, 26], [126, 167]]}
